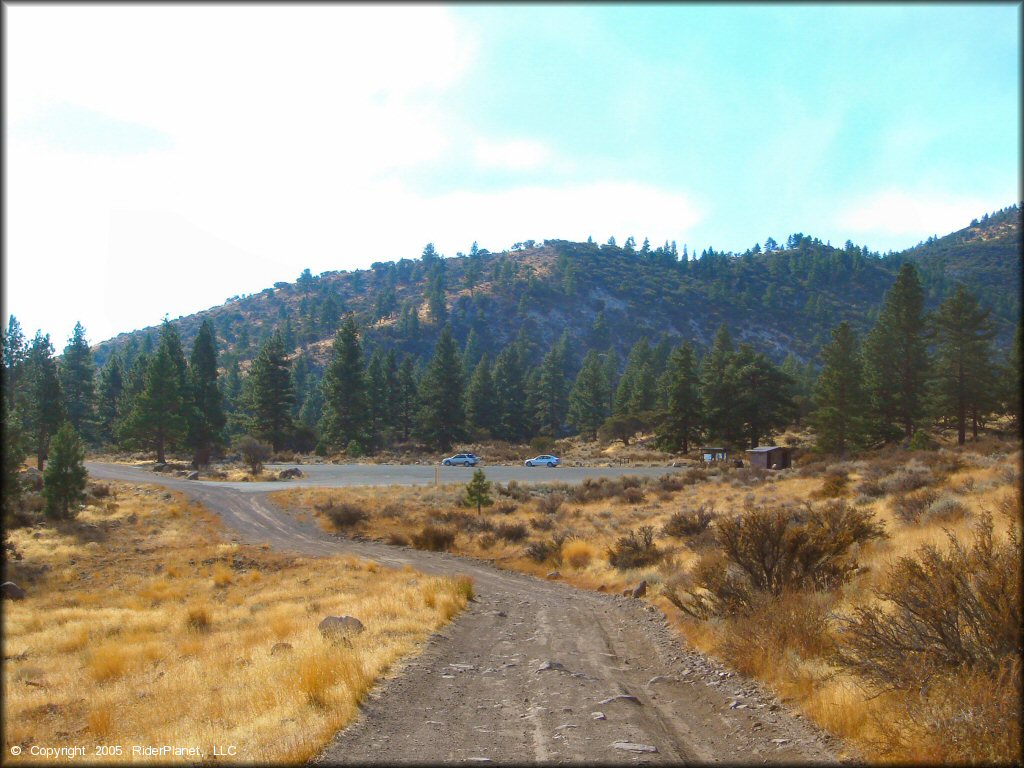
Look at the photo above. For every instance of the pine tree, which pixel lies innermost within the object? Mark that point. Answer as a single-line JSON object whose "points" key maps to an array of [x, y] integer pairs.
{"points": [[480, 398], [376, 400], [268, 394], [532, 401], [436, 288], [157, 418], [763, 395], [717, 393], [346, 413], [471, 353], [610, 369], [65, 475], [15, 352], [1014, 377], [108, 406], [441, 418], [392, 396], [839, 401], [510, 396], [896, 359], [682, 419], [962, 387], [637, 390], [805, 378], [43, 411], [553, 389], [13, 454], [206, 427], [600, 334], [134, 383], [408, 399], [77, 381], [478, 491], [588, 400]]}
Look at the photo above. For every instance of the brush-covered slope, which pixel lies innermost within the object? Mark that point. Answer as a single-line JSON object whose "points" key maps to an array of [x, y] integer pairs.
{"points": [[783, 299]]}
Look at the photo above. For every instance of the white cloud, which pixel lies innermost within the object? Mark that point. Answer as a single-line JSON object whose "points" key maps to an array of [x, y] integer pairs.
{"points": [[278, 128], [512, 154], [895, 212], [291, 134]]}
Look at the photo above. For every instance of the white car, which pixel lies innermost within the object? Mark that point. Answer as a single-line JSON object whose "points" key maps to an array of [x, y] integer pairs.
{"points": [[465, 459], [543, 460]]}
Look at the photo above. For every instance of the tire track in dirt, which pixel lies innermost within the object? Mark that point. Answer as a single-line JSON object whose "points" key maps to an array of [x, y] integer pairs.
{"points": [[518, 676]]}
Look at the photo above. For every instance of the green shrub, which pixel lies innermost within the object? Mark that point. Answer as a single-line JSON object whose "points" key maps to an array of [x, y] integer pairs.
{"points": [[343, 515], [511, 531], [635, 550], [551, 503], [909, 507], [774, 551], [689, 522], [253, 452], [433, 538], [940, 611]]}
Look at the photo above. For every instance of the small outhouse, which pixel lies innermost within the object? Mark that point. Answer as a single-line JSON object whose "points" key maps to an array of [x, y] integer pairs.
{"points": [[769, 457]]}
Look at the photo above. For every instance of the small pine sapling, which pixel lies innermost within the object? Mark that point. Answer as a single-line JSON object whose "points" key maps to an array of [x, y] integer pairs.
{"points": [[478, 491]]}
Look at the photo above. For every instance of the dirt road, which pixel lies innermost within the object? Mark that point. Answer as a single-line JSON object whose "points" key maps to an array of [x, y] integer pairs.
{"points": [[533, 671]]}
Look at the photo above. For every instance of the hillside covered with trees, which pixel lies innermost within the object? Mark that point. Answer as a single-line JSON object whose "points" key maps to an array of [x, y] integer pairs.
{"points": [[556, 339]]}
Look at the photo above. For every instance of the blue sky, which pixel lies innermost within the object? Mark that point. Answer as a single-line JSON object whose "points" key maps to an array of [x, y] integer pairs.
{"points": [[163, 158]]}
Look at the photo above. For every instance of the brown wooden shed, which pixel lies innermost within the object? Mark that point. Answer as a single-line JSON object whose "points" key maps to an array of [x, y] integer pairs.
{"points": [[769, 457]]}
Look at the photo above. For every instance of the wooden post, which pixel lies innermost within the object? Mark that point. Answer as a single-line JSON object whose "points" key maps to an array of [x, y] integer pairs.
{"points": [[437, 476]]}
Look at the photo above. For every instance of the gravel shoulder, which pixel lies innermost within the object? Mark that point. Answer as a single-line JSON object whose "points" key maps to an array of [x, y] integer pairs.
{"points": [[521, 676]]}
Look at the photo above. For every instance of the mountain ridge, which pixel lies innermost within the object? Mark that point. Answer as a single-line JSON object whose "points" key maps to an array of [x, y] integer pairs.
{"points": [[784, 299]]}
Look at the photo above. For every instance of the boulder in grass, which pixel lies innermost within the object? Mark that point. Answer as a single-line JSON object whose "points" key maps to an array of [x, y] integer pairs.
{"points": [[286, 474], [340, 627], [12, 591], [641, 589]]}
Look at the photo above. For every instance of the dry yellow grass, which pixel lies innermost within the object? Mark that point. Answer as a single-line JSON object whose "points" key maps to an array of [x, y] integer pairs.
{"points": [[985, 479], [163, 634]]}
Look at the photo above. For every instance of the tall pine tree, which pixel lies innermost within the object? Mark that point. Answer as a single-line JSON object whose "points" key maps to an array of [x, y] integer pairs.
{"points": [[108, 406], [207, 422], [43, 411], [65, 475], [718, 393], [480, 398], [763, 401], [681, 423], [157, 418], [839, 400], [346, 414], [268, 394], [553, 389], [15, 352], [896, 359], [408, 399], [588, 400], [78, 383], [510, 396], [962, 386], [442, 419]]}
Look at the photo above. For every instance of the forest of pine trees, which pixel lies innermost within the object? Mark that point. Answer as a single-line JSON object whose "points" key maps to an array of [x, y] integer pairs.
{"points": [[912, 370]]}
